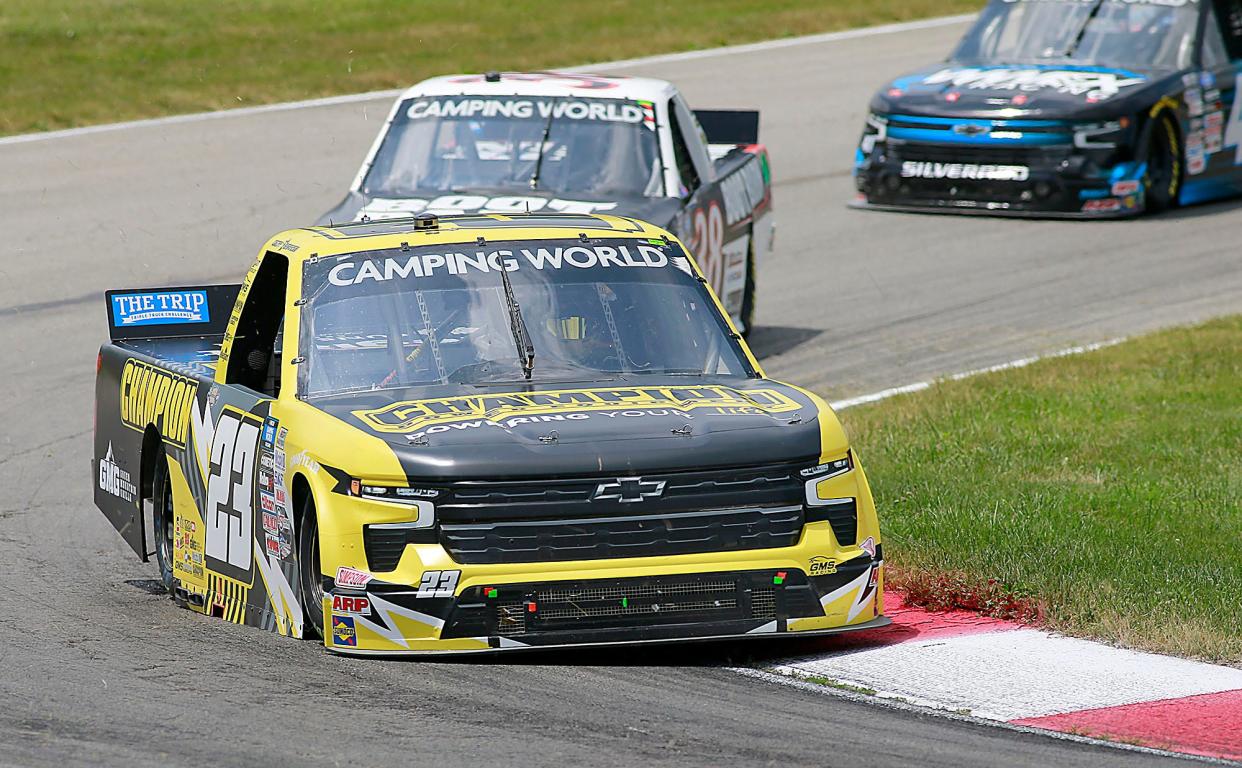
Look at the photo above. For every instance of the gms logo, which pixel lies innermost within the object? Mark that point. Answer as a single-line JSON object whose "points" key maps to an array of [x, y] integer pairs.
{"points": [[823, 566], [343, 632], [162, 308], [114, 480]]}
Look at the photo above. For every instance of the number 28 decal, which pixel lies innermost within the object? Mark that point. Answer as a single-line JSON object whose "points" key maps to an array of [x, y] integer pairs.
{"points": [[438, 583], [707, 243], [230, 496]]}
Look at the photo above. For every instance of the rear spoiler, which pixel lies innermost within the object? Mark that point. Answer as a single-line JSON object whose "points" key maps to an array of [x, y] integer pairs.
{"points": [[729, 126], [158, 313]]}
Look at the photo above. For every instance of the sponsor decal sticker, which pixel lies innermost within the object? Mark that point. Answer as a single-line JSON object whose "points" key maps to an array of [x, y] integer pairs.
{"points": [[1104, 204], [823, 566], [159, 308], [1095, 86], [868, 546], [913, 169], [379, 270], [445, 205], [273, 545], [611, 110], [269, 432], [1122, 188], [271, 522], [414, 415], [352, 578], [343, 631], [285, 537], [352, 605], [187, 547], [152, 395], [114, 480]]}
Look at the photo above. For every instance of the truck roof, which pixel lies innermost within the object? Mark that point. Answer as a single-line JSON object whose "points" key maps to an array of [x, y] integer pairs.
{"points": [[300, 244], [550, 84]]}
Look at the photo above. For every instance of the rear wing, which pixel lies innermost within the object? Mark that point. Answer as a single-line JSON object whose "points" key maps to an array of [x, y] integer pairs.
{"points": [[157, 313], [729, 126]]}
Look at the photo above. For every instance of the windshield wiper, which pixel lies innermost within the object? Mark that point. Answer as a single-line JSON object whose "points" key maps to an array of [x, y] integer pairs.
{"points": [[1082, 32], [521, 334], [543, 141]]}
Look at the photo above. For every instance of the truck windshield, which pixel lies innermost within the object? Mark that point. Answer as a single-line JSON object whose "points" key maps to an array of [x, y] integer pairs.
{"points": [[1151, 35], [438, 316], [595, 147]]}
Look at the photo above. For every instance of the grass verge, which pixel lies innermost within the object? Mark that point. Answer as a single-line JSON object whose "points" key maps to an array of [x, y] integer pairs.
{"points": [[75, 62], [1103, 491]]}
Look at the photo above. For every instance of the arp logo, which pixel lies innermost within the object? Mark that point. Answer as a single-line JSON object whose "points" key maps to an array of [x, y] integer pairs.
{"points": [[823, 566], [343, 632], [351, 604]]}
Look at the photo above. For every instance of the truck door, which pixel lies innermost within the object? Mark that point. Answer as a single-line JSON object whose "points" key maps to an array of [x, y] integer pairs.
{"points": [[701, 223], [237, 438], [1214, 132]]}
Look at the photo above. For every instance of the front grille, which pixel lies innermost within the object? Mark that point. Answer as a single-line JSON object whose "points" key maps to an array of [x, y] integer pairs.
{"points": [[383, 547], [763, 603], [636, 603], [842, 516], [630, 536], [551, 520]]}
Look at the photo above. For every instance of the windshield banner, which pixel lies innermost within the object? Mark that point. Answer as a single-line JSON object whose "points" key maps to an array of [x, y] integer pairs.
{"points": [[605, 110], [377, 269], [1095, 85]]}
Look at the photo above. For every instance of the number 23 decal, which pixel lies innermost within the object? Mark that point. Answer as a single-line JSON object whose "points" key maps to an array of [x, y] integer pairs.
{"points": [[438, 583], [230, 493]]}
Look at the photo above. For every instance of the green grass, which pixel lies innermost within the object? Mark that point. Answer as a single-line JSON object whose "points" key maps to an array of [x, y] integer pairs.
{"points": [[75, 62], [1106, 488], [828, 682]]}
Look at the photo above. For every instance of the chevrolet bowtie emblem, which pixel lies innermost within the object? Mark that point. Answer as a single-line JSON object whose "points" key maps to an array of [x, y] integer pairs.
{"points": [[970, 129], [628, 490]]}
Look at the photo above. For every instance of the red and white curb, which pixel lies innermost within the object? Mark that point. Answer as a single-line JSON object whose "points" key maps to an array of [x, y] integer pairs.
{"points": [[1003, 672]]}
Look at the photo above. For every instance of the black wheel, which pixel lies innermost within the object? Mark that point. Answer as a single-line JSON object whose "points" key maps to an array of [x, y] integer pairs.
{"points": [[748, 292], [1163, 178], [310, 573], [162, 519]]}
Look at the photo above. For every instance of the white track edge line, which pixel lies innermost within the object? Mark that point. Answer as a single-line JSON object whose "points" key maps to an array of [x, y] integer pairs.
{"points": [[351, 98], [905, 706], [1021, 362]]}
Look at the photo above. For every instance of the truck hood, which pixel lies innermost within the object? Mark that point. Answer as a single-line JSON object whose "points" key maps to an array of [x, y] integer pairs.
{"points": [[1020, 91], [655, 210], [617, 428]]}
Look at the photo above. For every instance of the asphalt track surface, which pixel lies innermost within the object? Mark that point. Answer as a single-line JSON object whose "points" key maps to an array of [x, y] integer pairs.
{"points": [[98, 671]]}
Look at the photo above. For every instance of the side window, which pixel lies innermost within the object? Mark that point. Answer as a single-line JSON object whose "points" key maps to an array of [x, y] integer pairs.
{"points": [[1214, 53], [1228, 26], [254, 361], [690, 180]]}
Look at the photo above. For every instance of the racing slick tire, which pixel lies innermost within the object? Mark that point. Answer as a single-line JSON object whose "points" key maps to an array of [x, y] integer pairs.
{"points": [[310, 575], [1163, 177], [162, 520], [748, 291]]}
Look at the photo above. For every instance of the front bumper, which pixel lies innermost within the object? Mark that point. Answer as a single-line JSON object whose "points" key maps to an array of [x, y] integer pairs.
{"points": [[1037, 181], [791, 593]]}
